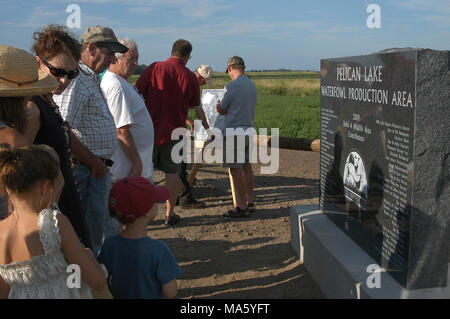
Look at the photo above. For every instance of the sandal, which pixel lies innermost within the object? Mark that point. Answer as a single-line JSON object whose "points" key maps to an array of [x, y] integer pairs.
{"points": [[173, 220], [237, 213], [251, 207]]}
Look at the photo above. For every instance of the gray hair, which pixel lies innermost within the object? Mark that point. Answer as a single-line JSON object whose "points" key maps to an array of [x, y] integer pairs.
{"points": [[129, 43]]}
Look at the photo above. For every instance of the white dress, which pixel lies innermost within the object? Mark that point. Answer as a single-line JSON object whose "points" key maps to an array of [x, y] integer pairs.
{"points": [[44, 276]]}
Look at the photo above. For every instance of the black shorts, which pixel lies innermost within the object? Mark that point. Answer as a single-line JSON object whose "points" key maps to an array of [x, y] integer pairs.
{"points": [[162, 158]]}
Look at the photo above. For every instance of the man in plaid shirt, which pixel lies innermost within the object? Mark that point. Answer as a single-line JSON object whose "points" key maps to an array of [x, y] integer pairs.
{"points": [[84, 109]]}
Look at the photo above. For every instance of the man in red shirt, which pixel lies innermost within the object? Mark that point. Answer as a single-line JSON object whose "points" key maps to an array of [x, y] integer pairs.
{"points": [[170, 89]]}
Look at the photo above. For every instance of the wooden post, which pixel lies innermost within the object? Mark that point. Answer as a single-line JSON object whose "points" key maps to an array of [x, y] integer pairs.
{"points": [[233, 192], [290, 143]]}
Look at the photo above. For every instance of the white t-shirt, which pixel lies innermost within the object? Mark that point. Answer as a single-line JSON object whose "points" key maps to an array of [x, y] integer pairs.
{"points": [[128, 108]]}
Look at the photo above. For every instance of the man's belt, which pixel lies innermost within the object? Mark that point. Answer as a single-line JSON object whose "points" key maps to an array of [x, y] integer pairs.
{"points": [[107, 162]]}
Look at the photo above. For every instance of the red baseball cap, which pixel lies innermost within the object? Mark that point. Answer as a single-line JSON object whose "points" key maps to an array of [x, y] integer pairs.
{"points": [[133, 197]]}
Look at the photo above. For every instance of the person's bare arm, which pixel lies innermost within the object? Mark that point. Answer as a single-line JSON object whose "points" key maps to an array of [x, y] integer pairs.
{"points": [[170, 289], [91, 271], [127, 144], [5, 258], [83, 154], [190, 122], [33, 123], [201, 115]]}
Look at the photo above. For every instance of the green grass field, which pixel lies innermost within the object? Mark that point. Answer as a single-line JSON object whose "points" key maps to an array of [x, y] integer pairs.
{"points": [[289, 101]]}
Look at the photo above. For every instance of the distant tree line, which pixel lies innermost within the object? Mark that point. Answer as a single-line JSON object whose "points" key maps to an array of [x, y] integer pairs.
{"points": [[279, 70], [141, 67]]}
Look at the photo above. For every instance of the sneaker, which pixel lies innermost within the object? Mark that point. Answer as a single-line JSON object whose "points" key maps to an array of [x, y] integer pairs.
{"points": [[173, 220], [237, 213], [192, 203]]}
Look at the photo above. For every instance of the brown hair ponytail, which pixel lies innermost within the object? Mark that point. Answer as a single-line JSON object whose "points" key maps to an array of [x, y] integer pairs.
{"points": [[22, 168]]}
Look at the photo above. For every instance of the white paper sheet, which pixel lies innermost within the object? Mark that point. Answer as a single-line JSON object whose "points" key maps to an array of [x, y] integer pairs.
{"points": [[209, 101]]}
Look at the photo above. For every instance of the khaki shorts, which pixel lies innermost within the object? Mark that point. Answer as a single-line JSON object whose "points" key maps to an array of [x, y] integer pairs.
{"points": [[241, 151], [162, 158]]}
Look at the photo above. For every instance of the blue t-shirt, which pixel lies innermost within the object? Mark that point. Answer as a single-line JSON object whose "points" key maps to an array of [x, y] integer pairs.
{"points": [[138, 267], [240, 103]]}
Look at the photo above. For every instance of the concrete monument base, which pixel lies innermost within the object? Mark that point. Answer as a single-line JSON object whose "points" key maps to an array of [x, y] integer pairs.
{"points": [[340, 266]]}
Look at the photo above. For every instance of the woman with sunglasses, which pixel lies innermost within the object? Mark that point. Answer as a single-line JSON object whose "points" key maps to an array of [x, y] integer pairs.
{"points": [[19, 80], [57, 54]]}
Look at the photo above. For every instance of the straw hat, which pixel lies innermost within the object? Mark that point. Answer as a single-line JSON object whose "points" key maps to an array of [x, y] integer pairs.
{"points": [[19, 74]]}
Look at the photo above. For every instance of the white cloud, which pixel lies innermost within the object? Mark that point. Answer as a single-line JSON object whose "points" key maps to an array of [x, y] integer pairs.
{"points": [[140, 10], [259, 28], [202, 9], [194, 9], [40, 17], [439, 20], [20, 24], [434, 12], [442, 6]]}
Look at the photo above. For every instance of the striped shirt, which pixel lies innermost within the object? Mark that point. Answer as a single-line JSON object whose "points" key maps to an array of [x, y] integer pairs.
{"points": [[84, 107]]}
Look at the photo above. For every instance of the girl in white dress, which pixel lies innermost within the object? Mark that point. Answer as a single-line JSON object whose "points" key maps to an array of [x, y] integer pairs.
{"points": [[37, 242]]}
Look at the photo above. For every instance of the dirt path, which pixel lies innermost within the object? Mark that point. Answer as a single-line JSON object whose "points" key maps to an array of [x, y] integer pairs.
{"points": [[245, 258]]}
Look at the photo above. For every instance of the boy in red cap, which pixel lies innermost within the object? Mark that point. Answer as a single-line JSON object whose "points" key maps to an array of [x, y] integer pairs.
{"points": [[139, 267]]}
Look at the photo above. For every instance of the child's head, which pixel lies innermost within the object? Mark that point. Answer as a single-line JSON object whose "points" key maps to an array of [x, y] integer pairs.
{"points": [[135, 197], [30, 168]]}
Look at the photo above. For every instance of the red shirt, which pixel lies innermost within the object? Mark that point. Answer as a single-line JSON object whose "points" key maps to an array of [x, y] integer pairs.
{"points": [[170, 89]]}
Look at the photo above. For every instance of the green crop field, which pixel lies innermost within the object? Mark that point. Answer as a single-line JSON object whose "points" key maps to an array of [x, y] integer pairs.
{"points": [[287, 100]]}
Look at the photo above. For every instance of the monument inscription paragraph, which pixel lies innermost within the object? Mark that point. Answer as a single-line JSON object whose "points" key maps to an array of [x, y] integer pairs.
{"points": [[368, 109]]}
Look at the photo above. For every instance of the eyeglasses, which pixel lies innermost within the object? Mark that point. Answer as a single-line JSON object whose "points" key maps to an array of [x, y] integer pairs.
{"points": [[60, 73]]}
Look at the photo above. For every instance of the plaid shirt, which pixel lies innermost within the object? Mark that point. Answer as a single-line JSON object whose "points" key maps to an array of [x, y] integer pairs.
{"points": [[84, 107]]}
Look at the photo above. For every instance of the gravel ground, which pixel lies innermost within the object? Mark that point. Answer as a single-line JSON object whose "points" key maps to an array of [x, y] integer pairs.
{"points": [[244, 258]]}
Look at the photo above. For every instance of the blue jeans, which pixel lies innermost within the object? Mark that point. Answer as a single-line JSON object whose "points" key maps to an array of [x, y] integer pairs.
{"points": [[94, 194]]}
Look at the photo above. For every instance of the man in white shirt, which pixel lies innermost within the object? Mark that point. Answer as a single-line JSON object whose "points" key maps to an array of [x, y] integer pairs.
{"points": [[133, 122]]}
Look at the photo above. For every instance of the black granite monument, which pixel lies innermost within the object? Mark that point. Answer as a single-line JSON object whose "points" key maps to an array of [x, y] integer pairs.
{"points": [[385, 159]]}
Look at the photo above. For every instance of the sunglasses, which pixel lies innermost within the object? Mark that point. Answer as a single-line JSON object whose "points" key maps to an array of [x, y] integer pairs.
{"points": [[60, 73]]}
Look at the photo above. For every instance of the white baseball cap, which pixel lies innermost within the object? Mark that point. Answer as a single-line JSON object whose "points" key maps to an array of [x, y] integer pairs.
{"points": [[206, 72]]}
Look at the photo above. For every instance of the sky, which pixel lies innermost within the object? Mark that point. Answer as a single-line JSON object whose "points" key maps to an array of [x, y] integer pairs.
{"points": [[267, 34]]}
